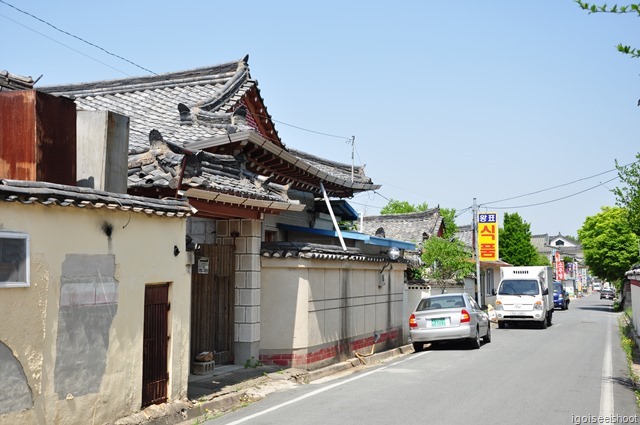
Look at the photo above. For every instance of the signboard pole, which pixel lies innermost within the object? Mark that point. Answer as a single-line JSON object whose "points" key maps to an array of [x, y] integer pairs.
{"points": [[476, 252]]}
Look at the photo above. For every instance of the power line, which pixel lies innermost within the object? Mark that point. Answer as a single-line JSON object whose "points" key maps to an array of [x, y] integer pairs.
{"points": [[557, 199], [68, 47], [555, 187], [77, 38], [305, 129]]}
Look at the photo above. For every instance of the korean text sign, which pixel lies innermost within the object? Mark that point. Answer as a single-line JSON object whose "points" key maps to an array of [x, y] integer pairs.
{"points": [[488, 236]]}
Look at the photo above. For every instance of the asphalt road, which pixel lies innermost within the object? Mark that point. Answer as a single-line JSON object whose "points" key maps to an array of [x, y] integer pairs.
{"points": [[573, 372]]}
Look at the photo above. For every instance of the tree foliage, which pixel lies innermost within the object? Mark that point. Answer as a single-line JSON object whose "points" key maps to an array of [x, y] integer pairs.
{"points": [[628, 197], [514, 242], [450, 226], [402, 207], [615, 9], [609, 244], [446, 259]]}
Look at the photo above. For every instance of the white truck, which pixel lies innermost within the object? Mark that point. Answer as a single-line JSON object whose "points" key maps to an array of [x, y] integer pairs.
{"points": [[525, 294]]}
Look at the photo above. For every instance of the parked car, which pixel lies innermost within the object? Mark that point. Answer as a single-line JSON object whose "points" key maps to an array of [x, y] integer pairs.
{"points": [[607, 293], [449, 317], [561, 298]]}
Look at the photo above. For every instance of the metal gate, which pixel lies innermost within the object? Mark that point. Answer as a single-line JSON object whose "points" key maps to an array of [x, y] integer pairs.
{"points": [[212, 302], [155, 375]]}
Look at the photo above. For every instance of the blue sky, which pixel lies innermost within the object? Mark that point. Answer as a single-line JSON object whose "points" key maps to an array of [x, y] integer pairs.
{"points": [[448, 101]]}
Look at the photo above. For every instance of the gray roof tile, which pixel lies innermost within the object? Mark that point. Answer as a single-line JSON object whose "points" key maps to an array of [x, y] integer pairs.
{"points": [[405, 227], [31, 192], [210, 94]]}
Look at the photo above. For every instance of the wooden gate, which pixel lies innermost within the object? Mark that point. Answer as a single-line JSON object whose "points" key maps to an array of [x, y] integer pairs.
{"points": [[212, 302], [155, 375]]}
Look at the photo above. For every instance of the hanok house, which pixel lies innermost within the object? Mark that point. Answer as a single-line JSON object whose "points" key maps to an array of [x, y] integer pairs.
{"points": [[416, 227], [205, 135], [94, 285]]}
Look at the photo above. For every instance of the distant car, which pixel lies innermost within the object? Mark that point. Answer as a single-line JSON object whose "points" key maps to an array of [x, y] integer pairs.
{"points": [[560, 296], [597, 287], [607, 293], [449, 317]]}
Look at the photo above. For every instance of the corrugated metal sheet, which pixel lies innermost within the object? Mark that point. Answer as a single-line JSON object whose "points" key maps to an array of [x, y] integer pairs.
{"points": [[37, 137]]}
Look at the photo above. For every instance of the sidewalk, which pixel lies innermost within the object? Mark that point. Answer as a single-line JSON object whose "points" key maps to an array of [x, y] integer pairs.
{"points": [[228, 387]]}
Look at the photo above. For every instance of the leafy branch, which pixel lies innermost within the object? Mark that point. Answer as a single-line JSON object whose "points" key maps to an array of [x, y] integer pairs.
{"points": [[593, 8], [615, 9]]}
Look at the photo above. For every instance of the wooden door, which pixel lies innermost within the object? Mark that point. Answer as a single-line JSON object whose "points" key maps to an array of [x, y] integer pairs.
{"points": [[155, 375], [213, 301]]}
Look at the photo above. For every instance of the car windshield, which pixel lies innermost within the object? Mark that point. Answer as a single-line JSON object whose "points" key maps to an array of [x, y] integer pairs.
{"points": [[557, 288], [518, 287], [451, 301]]}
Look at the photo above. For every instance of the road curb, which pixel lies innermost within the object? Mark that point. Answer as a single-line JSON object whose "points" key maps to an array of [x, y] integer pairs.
{"points": [[225, 402]]}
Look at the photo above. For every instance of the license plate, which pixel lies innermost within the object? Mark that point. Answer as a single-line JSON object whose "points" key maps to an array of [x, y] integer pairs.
{"points": [[438, 322], [517, 313]]}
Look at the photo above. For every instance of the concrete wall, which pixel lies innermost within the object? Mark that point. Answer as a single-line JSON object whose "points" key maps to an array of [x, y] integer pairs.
{"points": [[71, 342], [316, 312], [102, 150]]}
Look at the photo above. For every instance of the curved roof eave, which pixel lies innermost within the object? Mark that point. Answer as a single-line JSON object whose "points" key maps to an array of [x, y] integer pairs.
{"points": [[255, 139]]}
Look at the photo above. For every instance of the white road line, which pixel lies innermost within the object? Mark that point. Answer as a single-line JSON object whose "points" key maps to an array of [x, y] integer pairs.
{"points": [[321, 390], [606, 389]]}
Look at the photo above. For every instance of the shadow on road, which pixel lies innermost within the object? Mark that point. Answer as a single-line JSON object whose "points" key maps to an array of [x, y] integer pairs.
{"points": [[450, 346], [607, 308]]}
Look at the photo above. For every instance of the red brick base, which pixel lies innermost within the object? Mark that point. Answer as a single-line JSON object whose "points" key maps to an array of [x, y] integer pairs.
{"points": [[315, 357]]}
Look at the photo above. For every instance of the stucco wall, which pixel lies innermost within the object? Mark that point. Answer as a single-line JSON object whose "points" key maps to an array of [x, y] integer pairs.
{"points": [[308, 305], [74, 337]]}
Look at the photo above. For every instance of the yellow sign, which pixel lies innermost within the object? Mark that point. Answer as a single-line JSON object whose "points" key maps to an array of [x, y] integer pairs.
{"points": [[488, 236]]}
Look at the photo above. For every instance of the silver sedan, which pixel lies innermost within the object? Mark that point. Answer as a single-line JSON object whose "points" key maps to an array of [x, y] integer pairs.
{"points": [[449, 317]]}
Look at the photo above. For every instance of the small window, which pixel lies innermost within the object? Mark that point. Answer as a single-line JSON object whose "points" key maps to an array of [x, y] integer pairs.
{"points": [[14, 260], [270, 236]]}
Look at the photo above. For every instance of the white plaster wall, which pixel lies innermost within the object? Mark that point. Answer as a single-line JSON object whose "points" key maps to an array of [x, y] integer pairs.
{"points": [[307, 303], [143, 250]]}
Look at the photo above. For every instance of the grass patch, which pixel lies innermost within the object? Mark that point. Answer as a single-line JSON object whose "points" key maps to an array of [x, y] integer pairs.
{"points": [[630, 348]]}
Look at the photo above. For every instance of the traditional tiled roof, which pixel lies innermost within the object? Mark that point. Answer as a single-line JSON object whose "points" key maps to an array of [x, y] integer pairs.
{"points": [[465, 235], [541, 243], [11, 82], [33, 192], [171, 166], [342, 171], [195, 105], [319, 252], [413, 227]]}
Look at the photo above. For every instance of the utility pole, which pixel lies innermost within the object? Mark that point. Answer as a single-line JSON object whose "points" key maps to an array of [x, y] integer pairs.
{"points": [[476, 253], [353, 147]]}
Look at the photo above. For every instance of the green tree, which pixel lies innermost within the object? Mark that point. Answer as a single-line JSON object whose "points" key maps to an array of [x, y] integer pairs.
{"points": [[609, 244], [514, 242], [450, 226], [615, 9], [446, 259], [628, 197], [402, 207]]}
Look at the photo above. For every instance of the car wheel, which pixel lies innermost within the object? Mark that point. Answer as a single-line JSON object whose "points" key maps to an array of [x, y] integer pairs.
{"points": [[501, 325], [475, 342], [487, 337], [566, 306], [418, 346], [543, 324]]}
